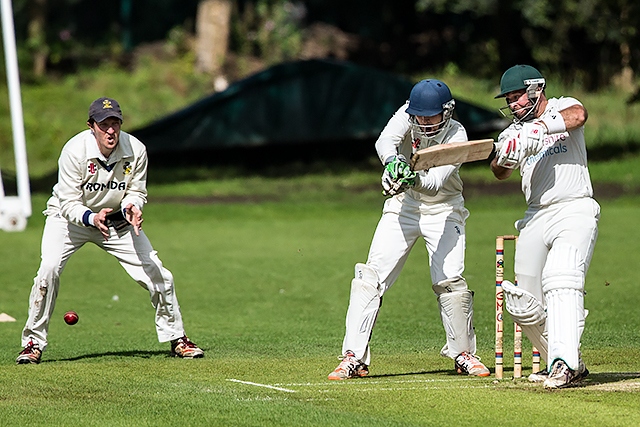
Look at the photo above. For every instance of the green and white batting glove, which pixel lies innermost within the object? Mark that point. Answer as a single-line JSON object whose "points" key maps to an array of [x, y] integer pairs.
{"points": [[397, 176]]}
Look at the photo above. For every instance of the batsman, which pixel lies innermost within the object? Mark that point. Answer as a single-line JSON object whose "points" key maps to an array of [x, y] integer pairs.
{"points": [[546, 143], [424, 204]]}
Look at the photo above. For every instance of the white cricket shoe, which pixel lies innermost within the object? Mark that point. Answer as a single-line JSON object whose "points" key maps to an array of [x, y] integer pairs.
{"points": [[185, 348], [471, 365], [30, 355], [538, 377], [562, 376], [541, 376], [350, 367]]}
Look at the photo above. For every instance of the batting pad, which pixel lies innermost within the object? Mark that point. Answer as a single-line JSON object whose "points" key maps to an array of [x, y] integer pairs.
{"points": [[565, 309], [563, 288], [527, 312], [456, 311]]}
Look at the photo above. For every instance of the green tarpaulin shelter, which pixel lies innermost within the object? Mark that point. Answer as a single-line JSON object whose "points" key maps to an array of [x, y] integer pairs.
{"points": [[303, 103]]}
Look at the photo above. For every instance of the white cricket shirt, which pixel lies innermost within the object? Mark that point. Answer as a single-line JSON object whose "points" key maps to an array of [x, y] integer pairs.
{"points": [[558, 172], [441, 184], [88, 182]]}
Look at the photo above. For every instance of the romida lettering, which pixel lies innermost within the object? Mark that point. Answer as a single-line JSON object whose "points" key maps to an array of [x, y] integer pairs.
{"points": [[101, 186]]}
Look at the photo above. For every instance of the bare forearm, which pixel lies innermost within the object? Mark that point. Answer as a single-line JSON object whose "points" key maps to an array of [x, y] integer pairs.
{"points": [[498, 171], [574, 116]]}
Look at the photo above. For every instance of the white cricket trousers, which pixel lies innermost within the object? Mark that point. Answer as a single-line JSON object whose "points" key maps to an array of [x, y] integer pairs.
{"points": [[403, 222], [572, 224], [552, 257], [61, 239]]}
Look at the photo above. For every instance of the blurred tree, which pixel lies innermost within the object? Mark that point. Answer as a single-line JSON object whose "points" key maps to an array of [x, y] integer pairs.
{"points": [[125, 16], [37, 41], [268, 29], [61, 35], [591, 41], [212, 34]]}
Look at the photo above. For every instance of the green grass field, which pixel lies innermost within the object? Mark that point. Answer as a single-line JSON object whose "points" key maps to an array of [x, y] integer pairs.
{"points": [[264, 285]]}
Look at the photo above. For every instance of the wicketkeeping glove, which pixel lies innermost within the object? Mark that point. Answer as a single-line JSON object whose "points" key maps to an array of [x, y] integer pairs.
{"points": [[397, 176]]}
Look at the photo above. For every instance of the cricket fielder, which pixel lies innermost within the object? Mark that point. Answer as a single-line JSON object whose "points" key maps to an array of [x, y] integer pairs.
{"points": [[101, 189], [424, 204], [560, 227]]}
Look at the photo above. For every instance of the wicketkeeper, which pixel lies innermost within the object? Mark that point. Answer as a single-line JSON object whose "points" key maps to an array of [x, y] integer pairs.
{"points": [[559, 229], [101, 189], [424, 204]]}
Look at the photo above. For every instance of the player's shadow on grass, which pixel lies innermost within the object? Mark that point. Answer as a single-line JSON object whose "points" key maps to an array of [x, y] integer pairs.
{"points": [[608, 377], [143, 354]]}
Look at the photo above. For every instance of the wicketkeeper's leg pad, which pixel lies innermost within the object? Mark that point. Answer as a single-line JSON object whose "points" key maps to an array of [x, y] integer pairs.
{"points": [[456, 311], [529, 313], [457, 284], [364, 304]]}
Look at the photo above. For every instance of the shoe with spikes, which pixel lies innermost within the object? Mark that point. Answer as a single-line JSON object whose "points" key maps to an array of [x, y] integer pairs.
{"points": [[350, 367], [562, 376], [30, 355], [471, 365], [185, 348], [541, 376]]}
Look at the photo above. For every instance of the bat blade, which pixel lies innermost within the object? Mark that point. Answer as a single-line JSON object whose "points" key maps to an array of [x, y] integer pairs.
{"points": [[451, 154]]}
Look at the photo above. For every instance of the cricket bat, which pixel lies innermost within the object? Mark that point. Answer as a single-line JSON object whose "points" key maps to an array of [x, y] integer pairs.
{"points": [[451, 154]]}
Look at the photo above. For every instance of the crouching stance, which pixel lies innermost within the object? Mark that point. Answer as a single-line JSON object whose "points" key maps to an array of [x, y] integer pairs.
{"points": [[99, 197], [427, 205]]}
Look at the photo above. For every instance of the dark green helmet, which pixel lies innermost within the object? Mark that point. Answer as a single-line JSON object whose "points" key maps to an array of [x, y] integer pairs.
{"points": [[519, 77]]}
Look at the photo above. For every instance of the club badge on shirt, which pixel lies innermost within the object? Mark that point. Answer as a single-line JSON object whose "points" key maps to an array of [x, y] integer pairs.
{"points": [[127, 168], [92, 168]]}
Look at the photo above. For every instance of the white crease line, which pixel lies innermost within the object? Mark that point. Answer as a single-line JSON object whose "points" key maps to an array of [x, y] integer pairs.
{"points": [[450, 384], [369, 382], [374, 389], [261, 385]]}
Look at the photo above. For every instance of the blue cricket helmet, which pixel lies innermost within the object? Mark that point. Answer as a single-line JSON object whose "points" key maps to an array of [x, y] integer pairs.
{"points": [[428, 98]]}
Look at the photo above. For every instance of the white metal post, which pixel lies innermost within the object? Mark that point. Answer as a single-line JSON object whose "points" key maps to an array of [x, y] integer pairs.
{"points": [[14, 211]]}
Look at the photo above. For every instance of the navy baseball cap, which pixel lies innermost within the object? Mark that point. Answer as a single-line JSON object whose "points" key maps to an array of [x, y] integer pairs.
{"points": [[103, 108]]}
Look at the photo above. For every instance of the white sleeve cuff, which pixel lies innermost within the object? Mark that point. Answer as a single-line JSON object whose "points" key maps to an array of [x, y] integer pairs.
{"points": [[92, 216], [388, 159]]}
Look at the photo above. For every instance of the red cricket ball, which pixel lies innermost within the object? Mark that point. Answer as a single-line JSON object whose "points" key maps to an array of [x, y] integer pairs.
{"points": [[71, 317]]}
